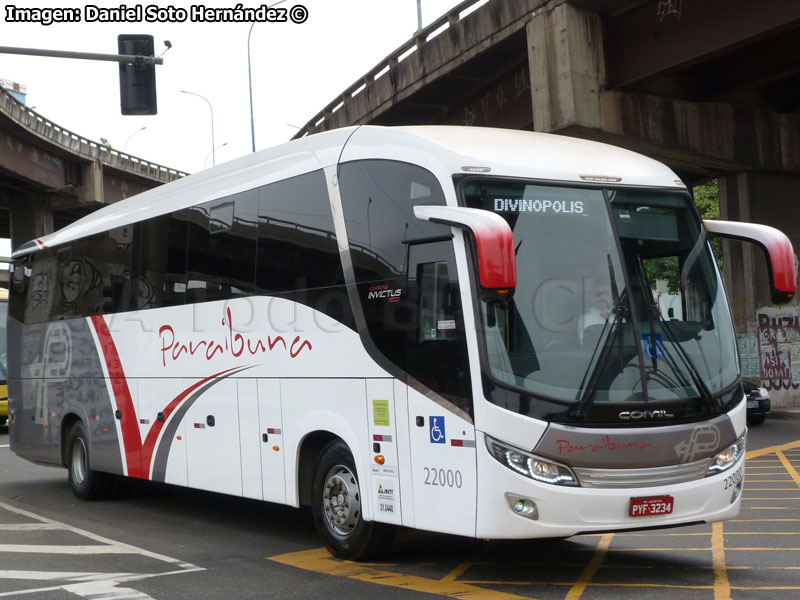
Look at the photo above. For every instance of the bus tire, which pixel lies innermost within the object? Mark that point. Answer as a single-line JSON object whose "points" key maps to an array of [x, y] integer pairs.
{"points": [[86, 484], [336, 507]]}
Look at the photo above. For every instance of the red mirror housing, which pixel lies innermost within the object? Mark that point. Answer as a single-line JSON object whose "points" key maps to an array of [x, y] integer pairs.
{"points": [[497, 263], [777, 250]]}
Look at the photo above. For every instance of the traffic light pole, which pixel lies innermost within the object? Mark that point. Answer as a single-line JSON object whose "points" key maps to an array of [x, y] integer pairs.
{"points": [[137, 69], [120, 58]]}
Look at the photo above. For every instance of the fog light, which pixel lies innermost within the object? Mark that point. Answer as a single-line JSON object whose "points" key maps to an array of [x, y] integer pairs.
{"points": [[737, 490], [524, 507]]}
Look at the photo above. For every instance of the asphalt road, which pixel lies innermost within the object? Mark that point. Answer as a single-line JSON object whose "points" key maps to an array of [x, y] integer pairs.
{"points": [[169, 543]]}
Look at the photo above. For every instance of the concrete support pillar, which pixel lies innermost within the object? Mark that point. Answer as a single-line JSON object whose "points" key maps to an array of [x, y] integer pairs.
{"points": [[92, 182], [768, 336], [567, 67], [31, 217]]}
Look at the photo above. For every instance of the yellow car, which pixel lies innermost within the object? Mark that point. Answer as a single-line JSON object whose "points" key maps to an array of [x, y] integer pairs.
{"points": [[3, 398], [3, 372]]}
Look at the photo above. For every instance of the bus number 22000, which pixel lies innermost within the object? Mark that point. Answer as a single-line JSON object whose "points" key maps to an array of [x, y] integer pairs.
{"points": [[443, 477]]}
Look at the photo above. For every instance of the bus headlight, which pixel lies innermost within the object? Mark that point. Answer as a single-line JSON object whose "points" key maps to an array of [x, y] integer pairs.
{"points": [[533, 467], [728, 457]]}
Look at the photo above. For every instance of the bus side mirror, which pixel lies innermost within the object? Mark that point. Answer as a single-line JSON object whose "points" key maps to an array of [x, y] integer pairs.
{"points": [[494, 243], [777, 250]]}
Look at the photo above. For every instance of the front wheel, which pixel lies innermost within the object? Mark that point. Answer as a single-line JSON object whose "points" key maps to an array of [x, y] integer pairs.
{"points": [[86, 484], [337, 507]]}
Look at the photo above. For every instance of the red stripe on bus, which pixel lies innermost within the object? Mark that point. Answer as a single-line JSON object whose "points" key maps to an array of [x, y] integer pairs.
{"points": [[138, 455], [131, 439], [456, 442]]}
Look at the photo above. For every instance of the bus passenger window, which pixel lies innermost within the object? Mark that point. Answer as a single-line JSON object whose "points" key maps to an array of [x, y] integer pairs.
{"points": [[221, 262]]}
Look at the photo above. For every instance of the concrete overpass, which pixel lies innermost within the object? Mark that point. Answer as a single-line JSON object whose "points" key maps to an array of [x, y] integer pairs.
{"points": [[50, 176], [710, 87]]}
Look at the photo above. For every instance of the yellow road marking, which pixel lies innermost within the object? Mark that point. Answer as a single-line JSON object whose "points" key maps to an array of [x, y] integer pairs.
{"points": [[772, 450], [764, 521], [320, 561], [789, 468], [761, 464], [458, 571], [598, 557], [722, 587]]}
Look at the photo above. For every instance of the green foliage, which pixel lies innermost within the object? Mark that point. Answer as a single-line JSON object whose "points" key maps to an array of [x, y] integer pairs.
{"points": [[706, 197]]}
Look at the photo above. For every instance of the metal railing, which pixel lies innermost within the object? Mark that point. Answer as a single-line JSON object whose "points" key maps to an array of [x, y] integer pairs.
{"points": [[41, 127], [382, 69]]}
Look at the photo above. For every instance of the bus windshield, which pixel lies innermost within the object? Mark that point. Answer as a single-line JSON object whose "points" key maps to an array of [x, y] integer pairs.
{"points": [[618, 297]]}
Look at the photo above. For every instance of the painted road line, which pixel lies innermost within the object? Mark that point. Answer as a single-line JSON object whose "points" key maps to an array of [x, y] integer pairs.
{"points": [[105, 590], [789, 468], [59, 575], [458, 571], [121, 548], [585, 578], [49, 549], [772, 450], [722, 586], [88, 585], [320, 561], [29, 527]]}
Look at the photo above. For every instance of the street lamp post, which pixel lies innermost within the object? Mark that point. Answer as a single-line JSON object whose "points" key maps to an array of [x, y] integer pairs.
{"points": [[213, 148], [125, 145], [209, 154], [250, 84], [250, 79]]}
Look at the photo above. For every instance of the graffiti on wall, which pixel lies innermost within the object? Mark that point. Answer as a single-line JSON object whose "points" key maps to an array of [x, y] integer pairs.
{"points": [[779, 347]]}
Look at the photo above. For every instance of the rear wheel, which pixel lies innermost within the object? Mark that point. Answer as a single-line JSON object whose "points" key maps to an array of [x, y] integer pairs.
{"points": [[337, 507], [756, 419], [86, 483]]}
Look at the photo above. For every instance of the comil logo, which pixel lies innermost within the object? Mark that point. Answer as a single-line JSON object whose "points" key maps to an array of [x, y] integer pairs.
{"points": [[637, 415]]}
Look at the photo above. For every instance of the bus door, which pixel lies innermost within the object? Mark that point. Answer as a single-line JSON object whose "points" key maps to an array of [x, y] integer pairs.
{"points": [[441, 433]]}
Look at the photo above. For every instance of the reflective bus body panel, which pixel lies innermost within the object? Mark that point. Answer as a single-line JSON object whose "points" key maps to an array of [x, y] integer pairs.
{"points": [[222, 393]]}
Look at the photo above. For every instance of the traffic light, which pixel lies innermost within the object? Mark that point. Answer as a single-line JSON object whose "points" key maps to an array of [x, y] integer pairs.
{"points": [[137, 82]]}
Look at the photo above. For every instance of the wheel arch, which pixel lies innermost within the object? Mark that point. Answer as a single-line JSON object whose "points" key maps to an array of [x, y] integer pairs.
{"points": [[309, 451], [67, 423]]}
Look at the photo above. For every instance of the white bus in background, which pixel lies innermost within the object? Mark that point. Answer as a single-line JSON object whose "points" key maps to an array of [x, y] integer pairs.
{"points": [[443, 328]]}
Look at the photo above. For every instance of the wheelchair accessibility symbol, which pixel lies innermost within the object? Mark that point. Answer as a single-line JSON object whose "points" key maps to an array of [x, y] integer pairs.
{"points": [[436, 427]]}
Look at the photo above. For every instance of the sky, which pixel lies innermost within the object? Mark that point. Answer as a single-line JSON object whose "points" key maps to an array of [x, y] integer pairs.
{"points": [[297, 69]]}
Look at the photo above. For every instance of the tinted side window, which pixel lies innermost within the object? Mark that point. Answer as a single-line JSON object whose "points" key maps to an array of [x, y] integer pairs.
{"points": [[222, 248], [406, 274], [33, 287], [159, 266], [297, 247]]}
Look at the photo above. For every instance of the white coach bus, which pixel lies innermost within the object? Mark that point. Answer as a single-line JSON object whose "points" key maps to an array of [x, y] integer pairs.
{"points": [[450, 329]]}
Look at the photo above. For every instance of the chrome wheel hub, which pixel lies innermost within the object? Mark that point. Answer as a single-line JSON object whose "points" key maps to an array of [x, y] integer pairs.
{"points": [[341, 500]]}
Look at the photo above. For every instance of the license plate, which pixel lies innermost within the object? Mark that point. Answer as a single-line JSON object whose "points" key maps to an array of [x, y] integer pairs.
{"points": [[752, 404], [649, 506]]}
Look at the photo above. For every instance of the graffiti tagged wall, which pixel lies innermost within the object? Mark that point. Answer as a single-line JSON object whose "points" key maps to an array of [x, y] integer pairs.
{"points": [[779, 350]]}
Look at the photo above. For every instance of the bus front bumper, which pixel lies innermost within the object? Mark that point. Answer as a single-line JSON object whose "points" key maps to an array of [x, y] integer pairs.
{"points": [[512, 506]]}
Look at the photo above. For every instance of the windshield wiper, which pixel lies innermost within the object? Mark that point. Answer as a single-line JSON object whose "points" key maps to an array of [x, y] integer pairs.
{"points": [[619, 311], [586, 390], [690, 367]]}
